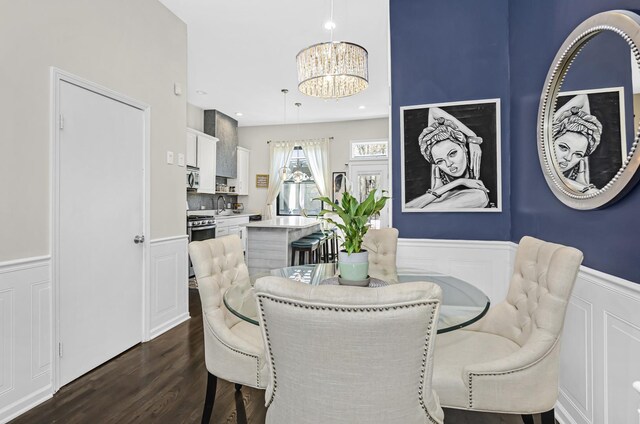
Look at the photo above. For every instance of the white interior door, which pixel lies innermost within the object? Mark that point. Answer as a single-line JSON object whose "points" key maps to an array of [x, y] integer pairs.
{"points": [[367, 175], [101, 206]]}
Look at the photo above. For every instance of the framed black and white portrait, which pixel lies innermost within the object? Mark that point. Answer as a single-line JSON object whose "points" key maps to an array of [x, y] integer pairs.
{"points": [[339, 186], [450, 155], [589, 137]]}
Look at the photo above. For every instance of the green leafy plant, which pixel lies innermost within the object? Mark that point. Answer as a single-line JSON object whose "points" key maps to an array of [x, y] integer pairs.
{"points": [[355, 217]]}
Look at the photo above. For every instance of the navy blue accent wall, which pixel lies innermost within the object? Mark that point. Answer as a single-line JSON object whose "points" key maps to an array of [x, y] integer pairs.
{"points": [[445, 51], [608, 237], [455, 50]]}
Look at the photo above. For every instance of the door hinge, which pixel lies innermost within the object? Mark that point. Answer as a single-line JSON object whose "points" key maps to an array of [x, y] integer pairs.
{"points": [[61, 120], [60, 350]]}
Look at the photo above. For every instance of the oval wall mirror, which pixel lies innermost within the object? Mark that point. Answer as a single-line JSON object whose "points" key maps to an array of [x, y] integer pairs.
{"points": [[589, 114]]}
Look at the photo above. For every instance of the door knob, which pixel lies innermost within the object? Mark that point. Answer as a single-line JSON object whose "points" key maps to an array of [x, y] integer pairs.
{"points": [[138, 239]]}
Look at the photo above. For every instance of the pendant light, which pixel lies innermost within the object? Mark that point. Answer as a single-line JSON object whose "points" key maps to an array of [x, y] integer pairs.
{"points": [[298, 175], [285, 172]]}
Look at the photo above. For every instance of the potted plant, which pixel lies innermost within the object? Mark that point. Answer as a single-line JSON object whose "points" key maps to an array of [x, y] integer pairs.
{"points": [[353, 262]]}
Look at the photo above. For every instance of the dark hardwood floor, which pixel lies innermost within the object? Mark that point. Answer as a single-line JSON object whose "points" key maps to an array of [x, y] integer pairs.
{"points": [[164, 381]]}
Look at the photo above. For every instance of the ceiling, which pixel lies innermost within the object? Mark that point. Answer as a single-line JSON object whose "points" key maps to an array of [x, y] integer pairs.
{"points": [[242, 53]]}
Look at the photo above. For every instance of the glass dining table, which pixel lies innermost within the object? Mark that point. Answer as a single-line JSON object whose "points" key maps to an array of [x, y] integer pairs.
{"points": [[462, 303]]}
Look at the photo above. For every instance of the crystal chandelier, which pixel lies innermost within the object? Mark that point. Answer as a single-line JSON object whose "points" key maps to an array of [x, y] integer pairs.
{"points": [[333, 69]]}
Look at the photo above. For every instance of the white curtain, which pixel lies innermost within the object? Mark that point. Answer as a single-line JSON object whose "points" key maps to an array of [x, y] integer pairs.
{"points": [[279, 153], [317, 153]]}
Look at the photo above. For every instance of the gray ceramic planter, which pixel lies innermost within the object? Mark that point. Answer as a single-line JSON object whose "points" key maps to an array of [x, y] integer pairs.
{"points": [[354, 266]]}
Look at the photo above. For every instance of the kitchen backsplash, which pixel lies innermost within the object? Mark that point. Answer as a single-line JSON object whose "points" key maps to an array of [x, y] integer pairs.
{"points": [[209, 201]]}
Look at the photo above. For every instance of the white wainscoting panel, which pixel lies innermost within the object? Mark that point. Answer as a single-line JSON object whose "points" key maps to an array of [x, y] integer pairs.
{"points": [[485, 264], [25, 335], [576, 360], [600, 351], [169, 284]]}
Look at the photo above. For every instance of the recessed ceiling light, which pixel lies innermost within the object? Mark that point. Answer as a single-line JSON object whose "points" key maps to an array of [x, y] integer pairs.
{"points": [[329, 25], [362, 107], [201, 92], [239, 114]]}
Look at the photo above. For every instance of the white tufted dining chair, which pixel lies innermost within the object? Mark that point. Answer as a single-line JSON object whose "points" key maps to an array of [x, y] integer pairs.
{"points": [[508, 361], [349, 355], [382, 246], [233, 348]]}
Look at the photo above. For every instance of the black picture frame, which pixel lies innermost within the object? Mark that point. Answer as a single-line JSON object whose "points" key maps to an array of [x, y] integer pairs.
{"points": [[338, 185], [482, 117]]}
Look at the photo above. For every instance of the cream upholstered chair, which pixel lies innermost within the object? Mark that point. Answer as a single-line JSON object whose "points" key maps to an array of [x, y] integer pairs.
{"points": [[508, 361], [382, 246], [233, 348], [347, 355]]}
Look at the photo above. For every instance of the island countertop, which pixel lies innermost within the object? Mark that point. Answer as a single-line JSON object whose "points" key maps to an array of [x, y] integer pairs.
{"points": [[285, 222]]}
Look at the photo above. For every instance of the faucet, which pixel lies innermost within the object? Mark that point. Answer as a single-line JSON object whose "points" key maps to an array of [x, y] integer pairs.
{"points": [[218, 204]]}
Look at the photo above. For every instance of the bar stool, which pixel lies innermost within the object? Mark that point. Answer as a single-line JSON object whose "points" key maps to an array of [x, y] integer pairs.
{"points": [[303, 247], [323, 248], [333, 244]]}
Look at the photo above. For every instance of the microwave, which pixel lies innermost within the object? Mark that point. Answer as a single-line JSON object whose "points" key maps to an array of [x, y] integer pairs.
{"points": [[193, 178]]}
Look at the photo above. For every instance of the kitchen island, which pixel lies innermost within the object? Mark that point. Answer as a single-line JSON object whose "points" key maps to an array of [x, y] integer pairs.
{"points": [[269, 241]]}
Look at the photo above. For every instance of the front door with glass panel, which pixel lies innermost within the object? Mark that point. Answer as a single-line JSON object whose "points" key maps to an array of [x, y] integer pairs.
{"points": [[366, 176]]}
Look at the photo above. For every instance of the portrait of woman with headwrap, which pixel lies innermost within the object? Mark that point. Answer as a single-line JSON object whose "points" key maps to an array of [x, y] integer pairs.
{"points": [[576, 135], [453, 154]]}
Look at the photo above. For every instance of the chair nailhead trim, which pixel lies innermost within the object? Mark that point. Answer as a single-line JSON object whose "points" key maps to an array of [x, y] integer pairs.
{"points": [[238, 351], [352, 309], [490, 374]]}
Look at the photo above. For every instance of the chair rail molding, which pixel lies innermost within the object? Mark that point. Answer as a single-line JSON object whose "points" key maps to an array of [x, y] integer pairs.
{"points": [[169, 284], [25, 335]]}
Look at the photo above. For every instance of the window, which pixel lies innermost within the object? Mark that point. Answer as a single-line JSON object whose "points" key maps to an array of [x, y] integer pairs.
{"points": [[299, 189], [369, 149]]}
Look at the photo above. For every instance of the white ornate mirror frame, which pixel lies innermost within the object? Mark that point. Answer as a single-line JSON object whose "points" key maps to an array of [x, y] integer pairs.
{"points": [[627, 25]]}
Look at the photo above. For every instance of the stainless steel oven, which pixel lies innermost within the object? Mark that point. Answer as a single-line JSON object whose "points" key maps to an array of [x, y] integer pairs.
{"points": [[201, 231], [199, 228]]}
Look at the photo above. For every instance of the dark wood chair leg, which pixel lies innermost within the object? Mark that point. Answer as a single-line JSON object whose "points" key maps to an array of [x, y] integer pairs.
{"points": [[210, 397], [527, 419], [241, 417], [238, 386], [548, 417]]}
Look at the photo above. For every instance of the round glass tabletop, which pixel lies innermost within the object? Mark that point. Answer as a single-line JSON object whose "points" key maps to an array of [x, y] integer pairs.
{"points": [[462, 303]]}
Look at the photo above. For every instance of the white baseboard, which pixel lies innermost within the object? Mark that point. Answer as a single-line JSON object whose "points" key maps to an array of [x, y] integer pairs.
{"points": [[26, 403], [26, 328], [562, 416], [155, 332]]}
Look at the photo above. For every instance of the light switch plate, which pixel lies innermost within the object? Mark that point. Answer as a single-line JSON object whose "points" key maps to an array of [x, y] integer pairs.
{"points": [[180, 159], [169, 157]]}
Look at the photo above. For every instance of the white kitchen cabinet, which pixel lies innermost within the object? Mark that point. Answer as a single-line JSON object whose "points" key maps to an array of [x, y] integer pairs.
{"points": [[229, 225], [205, 158], [192, 149], [242, 181]]}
